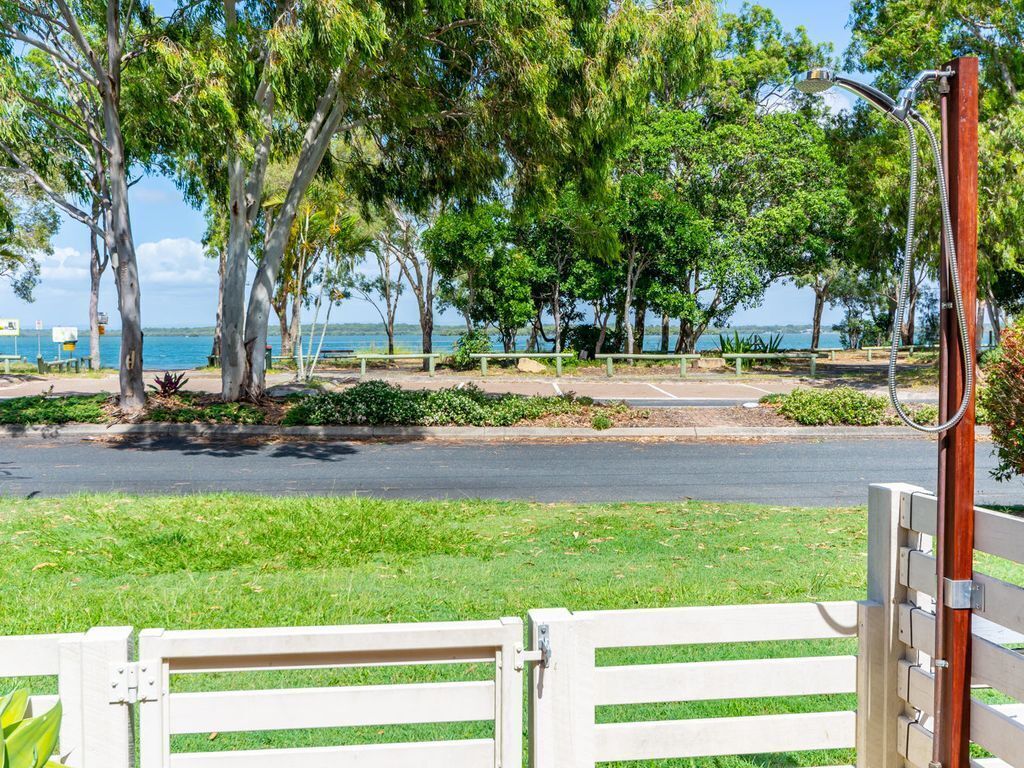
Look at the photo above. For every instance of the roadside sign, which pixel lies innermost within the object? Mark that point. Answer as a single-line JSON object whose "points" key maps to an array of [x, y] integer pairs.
{"points": [[39, 325], [10, 326], [102, 318], [63, 333]]}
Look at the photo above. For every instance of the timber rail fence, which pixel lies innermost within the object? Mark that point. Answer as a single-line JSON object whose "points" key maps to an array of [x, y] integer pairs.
{"points": [[196, 691]]}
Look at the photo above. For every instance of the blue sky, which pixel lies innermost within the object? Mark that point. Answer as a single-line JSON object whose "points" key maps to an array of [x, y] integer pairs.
{"points": [[179, 285]]}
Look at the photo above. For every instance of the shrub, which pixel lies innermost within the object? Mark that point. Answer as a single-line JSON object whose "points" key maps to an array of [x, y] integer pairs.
{"points": [[1002, 400], [601, 421], [474, 342], [376, 402], [40, 409], [842, 405]]}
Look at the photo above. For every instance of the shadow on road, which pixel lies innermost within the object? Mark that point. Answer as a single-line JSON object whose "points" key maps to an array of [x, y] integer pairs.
{"points": [[230, 449]]}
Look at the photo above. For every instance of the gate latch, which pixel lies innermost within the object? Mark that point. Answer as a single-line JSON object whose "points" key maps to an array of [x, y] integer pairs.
{"points": [[134, 681], [543, 653]]}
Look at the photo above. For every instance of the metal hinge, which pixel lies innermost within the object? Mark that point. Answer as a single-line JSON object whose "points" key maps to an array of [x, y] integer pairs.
{"points": [[134, 681], [543, 653], [964, 594]]}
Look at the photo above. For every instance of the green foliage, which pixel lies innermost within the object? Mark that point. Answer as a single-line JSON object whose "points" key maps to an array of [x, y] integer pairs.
{"points": [[41, 409], [601, 421], [377, 402], [1002, 399], [475, 342], [27, 742], [841, 405], [189, 408], [753, 343]]}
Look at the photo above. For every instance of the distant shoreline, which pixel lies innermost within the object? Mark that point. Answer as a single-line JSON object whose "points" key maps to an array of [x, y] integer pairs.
{"points": [[371, 329]]}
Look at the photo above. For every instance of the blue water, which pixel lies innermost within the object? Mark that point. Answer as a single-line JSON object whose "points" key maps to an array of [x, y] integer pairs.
{"points": [[176, 352]]}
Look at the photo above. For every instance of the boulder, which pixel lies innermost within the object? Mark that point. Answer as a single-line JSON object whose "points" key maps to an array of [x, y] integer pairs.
{"points": [[527, 365]]}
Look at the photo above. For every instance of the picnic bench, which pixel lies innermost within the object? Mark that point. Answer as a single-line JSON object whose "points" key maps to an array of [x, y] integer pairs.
{"points": [[910, 349], [213, 361], [430, 357], [610, 358], [739, 357], [483, 357], [65, 365], [8, 359], [337, 354]]}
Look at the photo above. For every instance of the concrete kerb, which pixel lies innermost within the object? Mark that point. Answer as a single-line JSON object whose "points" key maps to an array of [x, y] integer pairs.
{"points": [[242, 431]]}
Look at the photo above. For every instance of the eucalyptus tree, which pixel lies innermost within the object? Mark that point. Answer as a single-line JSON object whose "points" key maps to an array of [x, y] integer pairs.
{"points": [[65, 122], [895, 39], [400, 233], [27, 224]]}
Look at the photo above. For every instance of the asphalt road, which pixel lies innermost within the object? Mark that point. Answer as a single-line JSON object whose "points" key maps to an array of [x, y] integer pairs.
{"points": [[822, 473]]}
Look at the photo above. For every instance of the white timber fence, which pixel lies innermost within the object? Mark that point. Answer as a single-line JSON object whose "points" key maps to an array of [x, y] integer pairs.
{"points": [[222, 698], [899, 634]]}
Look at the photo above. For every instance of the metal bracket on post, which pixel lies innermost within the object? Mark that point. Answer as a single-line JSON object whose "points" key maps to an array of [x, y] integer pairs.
{"points": [[964, 595], [134, 681], [541, 655]]}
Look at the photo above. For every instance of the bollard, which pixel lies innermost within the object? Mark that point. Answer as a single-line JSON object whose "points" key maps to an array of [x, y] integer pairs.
{"points": [[610, 366]]}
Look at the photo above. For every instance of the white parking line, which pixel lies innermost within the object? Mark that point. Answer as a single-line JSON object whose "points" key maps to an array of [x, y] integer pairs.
{"points": [[558, 390], [664, 392], [758, 389]]}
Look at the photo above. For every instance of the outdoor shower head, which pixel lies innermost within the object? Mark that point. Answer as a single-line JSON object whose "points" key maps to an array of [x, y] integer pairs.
{"points": [[820, 80]]}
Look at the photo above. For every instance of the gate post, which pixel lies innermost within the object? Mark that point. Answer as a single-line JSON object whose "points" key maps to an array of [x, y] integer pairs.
{"points": [[561, 693], [880, 649], [94, 732]]}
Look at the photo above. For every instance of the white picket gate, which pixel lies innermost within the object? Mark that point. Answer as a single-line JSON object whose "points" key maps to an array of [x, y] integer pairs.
{"points": [[99, 684]]}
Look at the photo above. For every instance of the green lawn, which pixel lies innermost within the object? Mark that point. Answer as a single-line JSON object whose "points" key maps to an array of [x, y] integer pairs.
{"points": [[229, 561]]}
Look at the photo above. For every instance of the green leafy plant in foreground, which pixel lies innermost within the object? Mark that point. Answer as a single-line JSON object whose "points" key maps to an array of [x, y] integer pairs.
{"points": [[40, 409], [27, 742], [842, 405]]}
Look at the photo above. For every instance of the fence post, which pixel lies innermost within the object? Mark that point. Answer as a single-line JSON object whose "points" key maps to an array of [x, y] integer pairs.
{"points": [[609, 366], [880, 650], [94, 732], [561, 724], [558, 366]]}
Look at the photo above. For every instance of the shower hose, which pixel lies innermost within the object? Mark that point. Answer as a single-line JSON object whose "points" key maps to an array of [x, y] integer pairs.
{"points": [[954, 282]]}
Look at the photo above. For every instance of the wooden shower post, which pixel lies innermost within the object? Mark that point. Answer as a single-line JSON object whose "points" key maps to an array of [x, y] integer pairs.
{"points": [[956, 446]]}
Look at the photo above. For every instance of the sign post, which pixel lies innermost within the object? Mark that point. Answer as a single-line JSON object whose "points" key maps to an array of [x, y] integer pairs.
{"points": [[39, 338], [955, 523]]}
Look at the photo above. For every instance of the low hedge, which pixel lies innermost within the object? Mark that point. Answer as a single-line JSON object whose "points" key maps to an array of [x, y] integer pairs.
{"points": [[838, 406], [377, 403], [41, 409]]}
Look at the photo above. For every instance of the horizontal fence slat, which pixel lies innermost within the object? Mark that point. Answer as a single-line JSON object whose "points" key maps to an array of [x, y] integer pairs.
{"points": [[724, 736], [996, 533], [428, 640], [991, 664], [914, 743], [1004, 602], [742, 679], [471, 753], [720, 624], [283, 709], [997, 732], [28, 655]]}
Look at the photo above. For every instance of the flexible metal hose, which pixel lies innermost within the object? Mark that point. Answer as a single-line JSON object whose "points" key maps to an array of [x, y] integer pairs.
{"points": [[954, 282]]}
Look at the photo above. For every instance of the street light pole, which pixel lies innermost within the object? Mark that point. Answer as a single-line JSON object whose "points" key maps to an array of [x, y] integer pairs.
{"points": [[955, 523]]}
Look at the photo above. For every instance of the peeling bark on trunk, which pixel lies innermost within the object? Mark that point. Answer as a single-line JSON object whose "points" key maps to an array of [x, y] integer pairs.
{"points": [[665, 329], [98, 259], [641, 327], [218, 330]]}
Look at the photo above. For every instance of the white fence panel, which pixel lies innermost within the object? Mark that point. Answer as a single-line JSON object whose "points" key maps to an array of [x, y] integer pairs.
{"points": [[164, 713], [997, 623], [94, 732], [565, 693]]}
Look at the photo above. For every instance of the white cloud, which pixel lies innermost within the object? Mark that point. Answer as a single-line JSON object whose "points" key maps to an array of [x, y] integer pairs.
{"points": [[179, 261], [64, 264]]}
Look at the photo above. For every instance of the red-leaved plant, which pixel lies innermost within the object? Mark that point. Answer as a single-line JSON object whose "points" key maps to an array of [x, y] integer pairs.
{"points": [[1003, 401], [168, 384]]}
